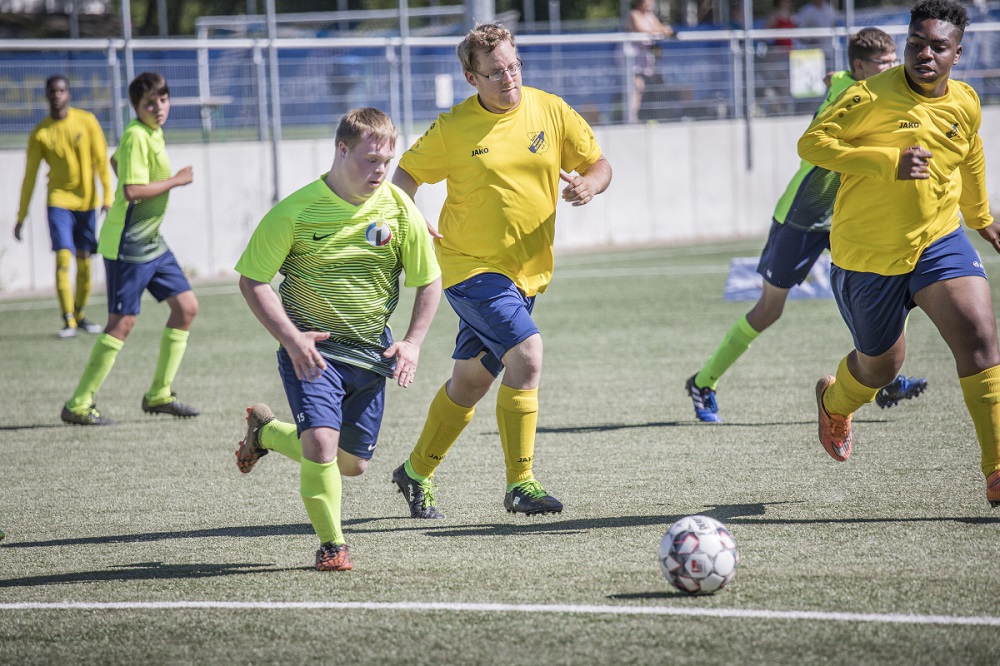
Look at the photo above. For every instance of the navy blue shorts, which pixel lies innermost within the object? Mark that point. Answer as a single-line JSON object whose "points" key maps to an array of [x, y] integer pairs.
{"points": [[790, 253], [73, 229], [344, 397], [162, 276], [875, 306], [494, 316]]}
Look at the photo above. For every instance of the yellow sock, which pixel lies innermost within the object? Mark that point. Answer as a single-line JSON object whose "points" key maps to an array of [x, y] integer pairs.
{"points": [[102, 359], [982, 398], [319, 485], [283, 438], [847, 394], [63, 290], [445, 422], [82, 287], [517, 418]]}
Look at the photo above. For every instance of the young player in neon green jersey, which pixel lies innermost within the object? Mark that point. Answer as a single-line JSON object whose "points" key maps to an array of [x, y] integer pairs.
{"points": [[136, 258], [800, 231], [502, 152], [341, 243], [72, 143], [907, 145]]}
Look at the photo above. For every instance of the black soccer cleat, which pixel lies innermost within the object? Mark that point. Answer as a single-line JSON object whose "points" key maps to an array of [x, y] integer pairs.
{"points": [[530, 498], [174, 408], [419, 494]]}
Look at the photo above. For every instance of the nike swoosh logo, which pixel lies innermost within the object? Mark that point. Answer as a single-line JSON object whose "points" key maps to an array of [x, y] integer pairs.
{"points": [[319, 238]]}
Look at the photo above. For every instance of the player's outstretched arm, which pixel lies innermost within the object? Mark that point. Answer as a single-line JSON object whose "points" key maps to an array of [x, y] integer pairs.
{"points": [[136, 192], [300, 345], [584, 187], [407, 350]]}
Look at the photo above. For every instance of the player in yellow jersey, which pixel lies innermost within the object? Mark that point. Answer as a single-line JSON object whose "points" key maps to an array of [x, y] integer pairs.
{"points": [[72, 143], [341, 243], [800, 231], [502, 152], [907, 145]]}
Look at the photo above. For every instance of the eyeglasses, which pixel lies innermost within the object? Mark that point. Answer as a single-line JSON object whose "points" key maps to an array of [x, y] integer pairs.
{"points": [[513, 70], [884, 63]]}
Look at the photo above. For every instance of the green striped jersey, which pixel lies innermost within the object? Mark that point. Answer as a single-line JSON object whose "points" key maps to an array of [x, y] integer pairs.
{"points": [[131, 231], [807, 203], [341, 265]]}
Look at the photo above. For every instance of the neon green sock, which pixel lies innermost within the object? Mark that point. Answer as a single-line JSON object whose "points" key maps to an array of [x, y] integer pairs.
{"points": [[736, 341], [173, 343], [283, 438], [102, 359], [319, 485], [408, 468]]}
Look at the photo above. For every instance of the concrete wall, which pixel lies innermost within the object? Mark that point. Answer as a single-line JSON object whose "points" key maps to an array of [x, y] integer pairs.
{"points": [[673, 183]]}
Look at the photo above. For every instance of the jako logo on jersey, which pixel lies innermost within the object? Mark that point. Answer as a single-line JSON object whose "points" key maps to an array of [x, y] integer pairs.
{"points": [[953, 132], [378, 233], [904, 124], [476, 152], [537, 144]]}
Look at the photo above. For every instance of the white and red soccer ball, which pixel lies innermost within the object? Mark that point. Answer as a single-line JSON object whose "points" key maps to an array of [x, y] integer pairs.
{"points": [[698, 555]]}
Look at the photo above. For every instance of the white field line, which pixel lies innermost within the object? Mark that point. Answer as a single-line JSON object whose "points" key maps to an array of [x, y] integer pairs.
{"points": [[877, 618]]}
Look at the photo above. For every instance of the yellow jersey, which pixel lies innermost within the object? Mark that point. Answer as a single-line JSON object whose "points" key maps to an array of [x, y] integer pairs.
{"points": [[75, 151], [502, 173], [881, 224]]}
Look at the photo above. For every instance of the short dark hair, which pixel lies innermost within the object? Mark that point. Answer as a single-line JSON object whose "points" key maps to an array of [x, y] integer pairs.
{"points": [[868, 43], [56, 77], [948, 11], [145, 82]]}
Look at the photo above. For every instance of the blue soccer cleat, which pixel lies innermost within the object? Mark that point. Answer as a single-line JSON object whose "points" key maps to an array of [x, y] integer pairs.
{"points": [[901, 388], [705, 407]]}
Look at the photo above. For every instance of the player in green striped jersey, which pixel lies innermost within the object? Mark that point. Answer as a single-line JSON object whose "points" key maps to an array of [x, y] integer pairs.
{"points": [[341, 244]]}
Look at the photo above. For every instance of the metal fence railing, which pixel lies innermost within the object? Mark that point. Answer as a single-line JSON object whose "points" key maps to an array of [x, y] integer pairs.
{"points": [[221, 88]]}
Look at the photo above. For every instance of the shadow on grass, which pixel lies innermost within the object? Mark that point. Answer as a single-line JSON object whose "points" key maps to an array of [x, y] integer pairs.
{"points": [[145, 571], [677, 594], [241, 532], [740, 514], [610, 427]]}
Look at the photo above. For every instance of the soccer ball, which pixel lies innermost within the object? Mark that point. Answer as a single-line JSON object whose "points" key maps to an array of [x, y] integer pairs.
{"points": [[698, 555]]}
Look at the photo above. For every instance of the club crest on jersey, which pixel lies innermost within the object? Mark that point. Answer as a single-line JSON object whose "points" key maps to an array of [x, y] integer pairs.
{"points": [[378, 233], [537, 143], [953, 132]]}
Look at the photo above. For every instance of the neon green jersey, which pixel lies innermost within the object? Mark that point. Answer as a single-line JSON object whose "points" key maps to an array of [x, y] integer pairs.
{"points": [[807, 203], [131, 231], [881, 224], [502, 173], [341, 265]]}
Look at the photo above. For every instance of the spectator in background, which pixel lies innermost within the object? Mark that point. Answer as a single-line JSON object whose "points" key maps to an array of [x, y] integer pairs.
{"points": [[641, 18], [781, 18], [818, 14]]}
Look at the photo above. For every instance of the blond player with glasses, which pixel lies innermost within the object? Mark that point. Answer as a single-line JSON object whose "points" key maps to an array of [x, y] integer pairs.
{"points": [[502, 152]]}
